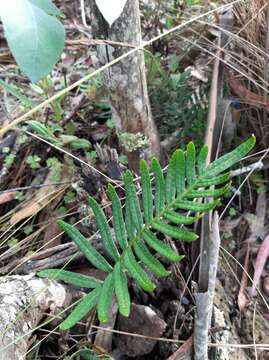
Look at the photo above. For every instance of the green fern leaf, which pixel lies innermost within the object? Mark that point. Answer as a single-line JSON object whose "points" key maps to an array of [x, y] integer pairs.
{"points": [[179, 219], [130, 228], [70, 277], [121, 290], [147, 199], [87, 303], [133, 200], [226, 161], [105, 299], [202, 158], [119, 226], [217, 180], [84, 245], [214, 193], [161, 247], [160, 186], [175, 232], [104, 229], [137, 272], [163, 211], [170, 181], [180, 171], [149, 260], [190, 163], [196, 206]]}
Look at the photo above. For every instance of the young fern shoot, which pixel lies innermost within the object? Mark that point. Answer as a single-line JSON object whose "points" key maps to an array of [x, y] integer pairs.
{"points": [[137, 229]]}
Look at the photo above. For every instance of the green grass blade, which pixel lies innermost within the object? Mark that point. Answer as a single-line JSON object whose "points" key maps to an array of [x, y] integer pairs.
{"points": [[119, 226], [137, 272], [121, 290], [70, 277], [190, 163], [133, 200], [105, 299], [196, 206], [104, 229], [160, 247], [178, 219], [202, 158], [84, 306], [175, 232], [149, 260], [170, 181], [180, 172], [147, 199], [226, 161], [214, 193], [160, 186], [84, 245], [217, 180]]}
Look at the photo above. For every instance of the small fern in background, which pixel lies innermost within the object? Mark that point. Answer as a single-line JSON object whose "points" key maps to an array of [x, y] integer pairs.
{"points": [[162, 211]]}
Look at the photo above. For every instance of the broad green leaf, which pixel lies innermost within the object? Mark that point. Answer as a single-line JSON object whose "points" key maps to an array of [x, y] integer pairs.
{"points": [[170, 181], [178, 219], [105, 299], [133, 200], [149, 260], [190, 163], [119, 225], [84, 306], [147, 199], [70, 278], [104, 229], [226, 161], [175, 232], [137, 272], [160, 186], [35, 38], [47, 6], [121, 290], [84, 245], [161, 247], [196, 206]]}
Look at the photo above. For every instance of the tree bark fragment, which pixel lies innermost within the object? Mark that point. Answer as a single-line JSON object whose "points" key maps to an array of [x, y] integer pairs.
{"points": [[23, 302], [126, 82]]}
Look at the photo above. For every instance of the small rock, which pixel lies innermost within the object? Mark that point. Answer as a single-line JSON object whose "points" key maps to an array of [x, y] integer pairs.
{"points": [[144, 321]]}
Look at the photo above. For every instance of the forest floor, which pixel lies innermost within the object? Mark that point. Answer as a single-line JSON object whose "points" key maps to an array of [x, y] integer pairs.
{"points": [[41, 182]]}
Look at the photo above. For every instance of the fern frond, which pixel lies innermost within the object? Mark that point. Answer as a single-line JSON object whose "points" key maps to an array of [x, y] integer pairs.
{"points": [[94, 257], [147, 198], [119, 224], [121, 290], [136, 272], [87, 303], [202, 158], [70, 278], [104, 229], [105, 298], [139, 229]]}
